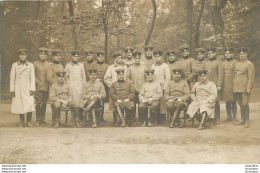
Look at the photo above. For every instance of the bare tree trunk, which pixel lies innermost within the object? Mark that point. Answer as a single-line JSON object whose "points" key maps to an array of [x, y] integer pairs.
{"points": [[190, 9], [73, 31], [197, 33], [152, 25], [36, 26]]}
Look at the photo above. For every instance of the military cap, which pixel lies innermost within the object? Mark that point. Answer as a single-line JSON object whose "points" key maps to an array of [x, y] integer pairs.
{"points": [[43, 50], [177, 71], [184, 48], [61, 74], [203, 72], [158, 52], [117, 54], [75, 53], [129, 50], [92, 71], [242, 50], [149, 72], [137, 54], [99, 53], [120, 70], [211, 50], [148, 47], [22, 51], [170, 52], [200, 51], [88, 51], [229, 50], [56, 52]]}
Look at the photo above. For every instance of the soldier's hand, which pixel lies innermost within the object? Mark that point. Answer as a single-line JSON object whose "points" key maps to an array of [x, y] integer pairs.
{"points": [[13, 94], [65, 102], [248, 91], [91, 97], [170, 100], [150, 99], [218, 88], [126, 100], [119, 101], [31, 93], [144, 101]]}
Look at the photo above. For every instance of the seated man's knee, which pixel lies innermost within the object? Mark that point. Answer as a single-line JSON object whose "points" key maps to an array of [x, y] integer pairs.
{"points": [[180, 105], [56, 105], [142, 106], [116, 104]]}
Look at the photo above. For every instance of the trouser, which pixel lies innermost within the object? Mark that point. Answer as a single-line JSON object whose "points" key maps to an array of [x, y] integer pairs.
{"points": [[143, 110], [41, 98], [28, 117], [217, 111], [56, 112], [242, 99], [231, 108]]}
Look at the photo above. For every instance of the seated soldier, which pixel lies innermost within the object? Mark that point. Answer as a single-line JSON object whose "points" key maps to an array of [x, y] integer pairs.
{"points": [[92, 94], [203, 95], [150, 95], [60, 96], [177, 94], [122, 94]]}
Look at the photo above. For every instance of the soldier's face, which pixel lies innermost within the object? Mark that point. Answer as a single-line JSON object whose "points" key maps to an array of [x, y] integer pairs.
{"points": [[243, 56], [176, 77], [56, 58], [171, 58], [148, 52], [201, 56], [93, 77], [100, 58], [137, 60], [212, 55], [61, 79], [149, 78], [120, 77], [228, 55], [89, 57], [185, 53], [75, 58], [203, 78], [23, 57], [43, 56], [129, 55], [158, 58]]}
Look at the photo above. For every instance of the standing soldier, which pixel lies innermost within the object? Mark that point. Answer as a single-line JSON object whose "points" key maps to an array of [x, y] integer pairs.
{"points": [[172, 62], [129, 57], [216, 75], [42, 85], [177, 95], [76, 75], [244, 78], [136, 74], [22, 88], [122, 94], [150, 95], [227, 90], [60, 96], [93, 94], [200, 63], [148, 56], [53, 68], [101, 70], [188, 65], [89, 61]]}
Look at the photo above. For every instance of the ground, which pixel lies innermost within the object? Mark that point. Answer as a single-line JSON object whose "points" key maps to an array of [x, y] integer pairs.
{"points": [[222, 144]]}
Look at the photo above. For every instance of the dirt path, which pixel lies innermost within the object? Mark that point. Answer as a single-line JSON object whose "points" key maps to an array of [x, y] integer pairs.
{"points": [[225, 143]]}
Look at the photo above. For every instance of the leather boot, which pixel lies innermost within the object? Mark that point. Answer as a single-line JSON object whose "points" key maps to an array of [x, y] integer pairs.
{"points": [[121, 116], [43, 112], [29, 119], [38, 115], [94, 119], [217, 112], [179, 123], [201, 126], [37, 124], [173, 120], [246, 112], [57, 123], [22, 124], [115, 118], [228, 109], [234, 109], [76, 114], [242, 122]]}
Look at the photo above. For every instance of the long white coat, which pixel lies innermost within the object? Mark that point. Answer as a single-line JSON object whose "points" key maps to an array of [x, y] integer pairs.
{"points": [[77, 79], [22, 81]]}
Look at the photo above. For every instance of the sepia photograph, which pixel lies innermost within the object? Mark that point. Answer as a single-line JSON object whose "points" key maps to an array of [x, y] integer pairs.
{"points": [[130, 82]]}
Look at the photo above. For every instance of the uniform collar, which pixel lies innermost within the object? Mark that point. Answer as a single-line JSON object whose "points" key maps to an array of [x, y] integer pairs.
{"points": [[158, 64], [26, 63], [204, 83], [74, 63]]}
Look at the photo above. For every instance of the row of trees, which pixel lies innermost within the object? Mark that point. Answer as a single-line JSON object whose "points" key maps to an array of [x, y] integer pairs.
{"points": [[111, 25]]}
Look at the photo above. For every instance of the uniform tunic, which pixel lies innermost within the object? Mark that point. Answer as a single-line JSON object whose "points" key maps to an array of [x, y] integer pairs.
{"points": [[22, 81], [128, 62], [95, 88], [203, 97], [179, 90], [41, 80], [188, 67], [173, 66], [244, 76], [101, 71], [89, 66], [111, 75], [77, 79], [51, 72], [60, 91], [136, 74], [200, 65], [151, 90], [227, 89]]}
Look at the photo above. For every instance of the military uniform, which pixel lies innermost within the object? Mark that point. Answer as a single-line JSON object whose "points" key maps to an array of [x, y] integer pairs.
{"points": [[111, 76], [122, 90], [42, 86], [244, 78], [60, 96], [127, 61], [150, 90], [148, 60], [52, 70], [177, 95]]}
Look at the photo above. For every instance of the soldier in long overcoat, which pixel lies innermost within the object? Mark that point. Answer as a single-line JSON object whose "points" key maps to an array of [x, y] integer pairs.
{"points": [[22, 88]]}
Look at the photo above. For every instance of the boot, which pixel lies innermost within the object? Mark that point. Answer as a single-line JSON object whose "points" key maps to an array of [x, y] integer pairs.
{"points": [[143, 124], [234, 109], [56, 124], [228, 109], [76, 114], [179, 123], [150, 124], [246, 112], [37, 124], [29, 119], [22, 124], [173, 121], [121, 116], [115, 118], [43, 111], [38, 115], [201, 126], [242, 122], [94, 119]]}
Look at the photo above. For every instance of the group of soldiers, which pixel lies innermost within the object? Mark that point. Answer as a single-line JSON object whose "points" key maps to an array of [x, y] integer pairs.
{"points": [[141, 82]]}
